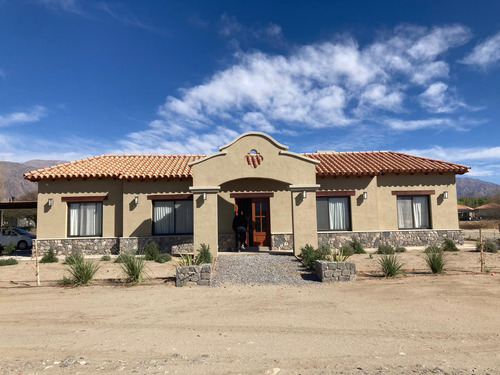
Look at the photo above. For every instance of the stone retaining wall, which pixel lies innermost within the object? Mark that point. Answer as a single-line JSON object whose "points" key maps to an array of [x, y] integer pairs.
{"points": [[335, 271], [282, 241], [394, 238], [194, 275], [179, 244], [87, 246]]}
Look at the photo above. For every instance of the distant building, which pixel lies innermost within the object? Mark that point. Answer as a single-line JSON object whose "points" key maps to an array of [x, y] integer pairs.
{"points": [[488, 211], [465, 213]]}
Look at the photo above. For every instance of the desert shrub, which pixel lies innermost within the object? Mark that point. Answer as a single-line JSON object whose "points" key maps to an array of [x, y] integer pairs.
{"points": [[385, 249], [150, 251], [204, 255], [8, 262], [357, 247], [105, 258], [9, 249], [185, 260], [163, 258], [489, 246], [448, 245], [310, 255], [71, 258], [121, 257], [65, 281], [390, 265], [134, 268], [432, 249], [82, 271], [50, 257], [342, 254], [435, 261], [400, 249]]}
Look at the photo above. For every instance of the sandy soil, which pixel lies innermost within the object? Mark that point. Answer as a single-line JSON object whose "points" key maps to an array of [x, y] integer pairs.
{"points": [[415, 324]]}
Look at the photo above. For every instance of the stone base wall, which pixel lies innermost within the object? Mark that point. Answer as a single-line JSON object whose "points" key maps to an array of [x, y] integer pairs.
{"points": [[87, 246], [166, 244], [226, 241], [335, 271], [194, 275], [394, 238], [282, 241]]}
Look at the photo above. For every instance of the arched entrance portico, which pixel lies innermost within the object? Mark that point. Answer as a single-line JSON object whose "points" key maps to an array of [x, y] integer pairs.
{"points": [[253, 164]]}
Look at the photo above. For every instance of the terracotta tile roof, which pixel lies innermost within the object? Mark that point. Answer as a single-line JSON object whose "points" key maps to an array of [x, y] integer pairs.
{"points": [[369, 163], [462, 207], [489, 206]]}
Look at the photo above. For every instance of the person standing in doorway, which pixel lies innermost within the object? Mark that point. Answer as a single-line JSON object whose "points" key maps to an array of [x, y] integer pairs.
{"points": [[240, 224]]}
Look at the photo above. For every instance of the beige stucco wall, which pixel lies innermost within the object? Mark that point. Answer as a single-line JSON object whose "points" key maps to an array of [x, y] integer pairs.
{"points": [[205, 221], [53, 221], [444, 213], [137, 219]]}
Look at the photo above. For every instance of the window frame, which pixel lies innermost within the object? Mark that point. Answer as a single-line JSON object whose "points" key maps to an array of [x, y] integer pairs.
{"points": [[100, 212], [327, 198], [189, 199], [429, 218]]}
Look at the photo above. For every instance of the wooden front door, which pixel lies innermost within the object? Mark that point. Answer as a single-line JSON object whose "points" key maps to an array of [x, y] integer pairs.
{"points": [[260, 220]]}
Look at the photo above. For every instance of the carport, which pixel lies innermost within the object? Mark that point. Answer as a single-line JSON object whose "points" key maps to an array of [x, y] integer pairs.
{"points": [[6, 207]]}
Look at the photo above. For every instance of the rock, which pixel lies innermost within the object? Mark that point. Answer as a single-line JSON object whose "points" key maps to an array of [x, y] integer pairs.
{"points": [[68, 361]]}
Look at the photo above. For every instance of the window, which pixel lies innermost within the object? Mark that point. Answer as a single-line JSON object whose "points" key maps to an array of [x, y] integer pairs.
{"points": [[333, 213], [85, 219], [173, 217], [413, 212]]}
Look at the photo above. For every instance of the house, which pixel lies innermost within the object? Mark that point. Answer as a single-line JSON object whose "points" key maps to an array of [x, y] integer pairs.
{"points": [[119, 202], [465, 213], [488, 211]]}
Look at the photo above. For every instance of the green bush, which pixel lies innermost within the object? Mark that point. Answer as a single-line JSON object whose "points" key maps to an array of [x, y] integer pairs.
{"points": [[121, 258], [74, 256], [385, 249], [448, 245], [400, 249], [163, 258], [357, 247], [9, 249], [150, 251], [204, 255], [8, 262], [489, 246], [436, 261], [105, 258], [390, 265], [134, 268], [82, 271], [50, 257], [310, 255], [342, 254], [432, 249]]}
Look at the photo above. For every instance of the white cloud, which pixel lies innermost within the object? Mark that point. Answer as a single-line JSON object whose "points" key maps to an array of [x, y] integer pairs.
{"points": [[428, 72], [406, 125], [70, 6], [484, 54], [33, 115], [438, 99]]}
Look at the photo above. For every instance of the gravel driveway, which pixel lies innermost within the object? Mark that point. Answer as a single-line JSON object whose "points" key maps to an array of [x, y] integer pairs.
{"points": [[259, 269]]}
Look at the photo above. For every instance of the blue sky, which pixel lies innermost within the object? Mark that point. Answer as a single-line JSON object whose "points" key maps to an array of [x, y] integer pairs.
{"points": [[81, 78]]}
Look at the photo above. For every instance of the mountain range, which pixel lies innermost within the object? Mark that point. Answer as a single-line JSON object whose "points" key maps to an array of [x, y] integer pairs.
{"points": [[16, 186]]}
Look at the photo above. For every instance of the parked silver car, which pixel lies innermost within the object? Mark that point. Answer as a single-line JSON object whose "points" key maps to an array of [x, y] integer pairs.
{"points": [[21, 238]]}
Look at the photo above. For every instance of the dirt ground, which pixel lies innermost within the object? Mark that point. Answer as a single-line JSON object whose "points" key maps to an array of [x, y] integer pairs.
{"points": [[415, 324]]}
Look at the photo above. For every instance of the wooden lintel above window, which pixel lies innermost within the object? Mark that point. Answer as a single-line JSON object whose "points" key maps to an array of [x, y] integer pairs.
{"points": [[251, 195], [85, 198], [166, 197], [337, 193], [413, 192]]}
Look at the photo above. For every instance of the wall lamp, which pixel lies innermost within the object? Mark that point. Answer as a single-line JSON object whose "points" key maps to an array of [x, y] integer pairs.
{"points": [[304, 194], [50, 202], [365, 195], [445, 195], [136, 199], [204, 196]]}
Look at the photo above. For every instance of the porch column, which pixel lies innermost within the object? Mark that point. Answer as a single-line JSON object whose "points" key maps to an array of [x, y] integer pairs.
{"points": [[305, 230], [205, 217]]}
